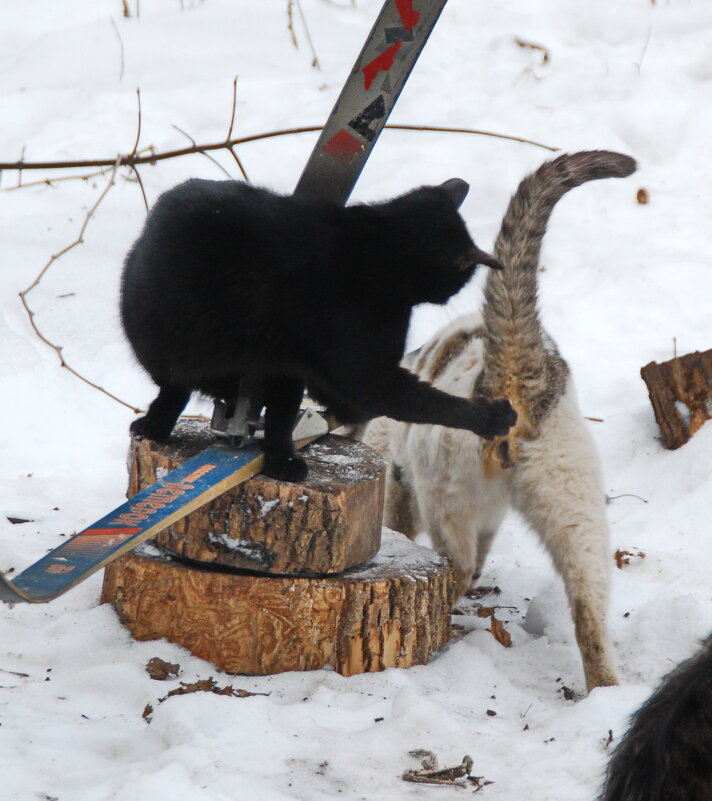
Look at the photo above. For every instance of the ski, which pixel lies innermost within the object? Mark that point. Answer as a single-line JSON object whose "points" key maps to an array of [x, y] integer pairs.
{"points": [[197, 481], [367, 99]]}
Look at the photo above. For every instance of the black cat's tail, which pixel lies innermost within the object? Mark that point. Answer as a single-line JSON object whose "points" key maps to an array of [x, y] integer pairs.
{"points": [[667, 753], [519, 362]]}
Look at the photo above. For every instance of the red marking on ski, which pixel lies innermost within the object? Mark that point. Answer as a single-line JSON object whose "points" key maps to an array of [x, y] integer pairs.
{"points": [[342, 146], [382, 63], [90, 532], [199, 473], [60, 568], [408, 14], [98, 542]]}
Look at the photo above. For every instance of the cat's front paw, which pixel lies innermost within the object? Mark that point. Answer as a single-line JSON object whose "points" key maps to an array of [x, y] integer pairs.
{"points": [[285, 468], [142, 428], [495, 418]]}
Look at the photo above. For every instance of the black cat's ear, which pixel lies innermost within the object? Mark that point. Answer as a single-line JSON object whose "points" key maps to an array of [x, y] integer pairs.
{"points": [[457, 189]]}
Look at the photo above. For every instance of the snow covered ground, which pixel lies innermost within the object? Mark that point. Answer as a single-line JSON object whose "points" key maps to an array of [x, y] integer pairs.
{"points": [[623, 281]]}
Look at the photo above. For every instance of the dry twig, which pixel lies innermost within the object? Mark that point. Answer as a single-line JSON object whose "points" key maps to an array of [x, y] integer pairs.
{"points": [[545, 57], [153, 157], [25, 292], [430, 774]]}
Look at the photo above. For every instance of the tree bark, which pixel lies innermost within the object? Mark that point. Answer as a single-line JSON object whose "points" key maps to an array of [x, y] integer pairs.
{"points": [[681, 394], [327, 524], [393, 612]]}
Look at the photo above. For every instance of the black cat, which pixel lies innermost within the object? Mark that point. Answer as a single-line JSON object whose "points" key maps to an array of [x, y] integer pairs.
{"points": [[667, 753], [229, 282]]}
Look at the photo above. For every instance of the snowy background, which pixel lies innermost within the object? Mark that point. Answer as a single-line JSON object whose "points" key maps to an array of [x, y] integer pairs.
{"points": [[623, 282]]}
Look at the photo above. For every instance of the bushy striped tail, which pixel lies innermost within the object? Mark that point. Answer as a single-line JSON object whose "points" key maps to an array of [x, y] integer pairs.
{"points": [[519, 363]]}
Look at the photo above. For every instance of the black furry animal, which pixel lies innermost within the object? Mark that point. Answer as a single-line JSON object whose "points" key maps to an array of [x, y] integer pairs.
{"points": [[231, 283], [667, 753]]}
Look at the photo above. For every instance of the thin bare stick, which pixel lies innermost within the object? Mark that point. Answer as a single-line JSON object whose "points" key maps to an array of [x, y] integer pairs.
{"points": [[138, 127], [121, 45], [134, 170], [207, 155], [290, 23], [239, 164], [234, 110], [85, 177], [128, 161], [25, 292], [53, 181], [315, 58], [475, 131], [228, 139]]}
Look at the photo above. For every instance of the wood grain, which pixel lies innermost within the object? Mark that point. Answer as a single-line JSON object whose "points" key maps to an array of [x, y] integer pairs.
{"points": [[394, 612], [328, 523]]}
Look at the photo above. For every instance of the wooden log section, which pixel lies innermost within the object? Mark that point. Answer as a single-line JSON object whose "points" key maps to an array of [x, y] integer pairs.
{"points": [[327, 524], [393, 612], [681, 394]]}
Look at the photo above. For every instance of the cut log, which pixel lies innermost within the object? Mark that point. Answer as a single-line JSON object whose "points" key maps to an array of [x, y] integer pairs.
{"points": [[328, 523], [393, 612], [681, 394]]}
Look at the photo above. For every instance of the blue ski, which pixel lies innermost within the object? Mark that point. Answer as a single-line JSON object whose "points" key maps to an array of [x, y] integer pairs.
{"points": [[208, 474]]}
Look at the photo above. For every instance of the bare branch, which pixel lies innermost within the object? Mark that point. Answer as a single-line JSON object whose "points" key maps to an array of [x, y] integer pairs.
{"points": [[234, 109], [239, 164], [207, 155], [138, 127], [135, 171], [290, 23], [121, 44], [25, 292], [315, 58], [129, 161]]}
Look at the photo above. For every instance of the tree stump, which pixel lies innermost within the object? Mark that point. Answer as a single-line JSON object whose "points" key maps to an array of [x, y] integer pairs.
{"points": [[393, 612], [328, 523], [681, 394]]}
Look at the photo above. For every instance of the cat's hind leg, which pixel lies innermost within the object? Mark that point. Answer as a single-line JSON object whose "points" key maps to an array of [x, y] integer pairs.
{"points": [[162, 414], [400, 508], [282, 398], [557, 487], [400, 511]]}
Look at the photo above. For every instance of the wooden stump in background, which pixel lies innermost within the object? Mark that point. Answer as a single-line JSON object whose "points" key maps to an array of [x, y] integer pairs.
{"points": [[681, 394], [393, 612], [327, 524]]}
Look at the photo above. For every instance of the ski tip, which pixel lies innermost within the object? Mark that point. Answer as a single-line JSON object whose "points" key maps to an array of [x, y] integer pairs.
{"points": [[11, 595]]}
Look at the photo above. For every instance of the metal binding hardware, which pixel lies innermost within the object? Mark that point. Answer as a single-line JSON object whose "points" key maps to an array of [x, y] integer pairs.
{"points": [[241, 430]]}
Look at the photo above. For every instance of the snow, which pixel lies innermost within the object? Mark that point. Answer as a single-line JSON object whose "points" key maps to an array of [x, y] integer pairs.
{"points": [[625, 283]]}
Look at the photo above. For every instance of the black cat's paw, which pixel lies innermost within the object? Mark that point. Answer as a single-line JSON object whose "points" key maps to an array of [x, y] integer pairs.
{"points": [[495, 418], [142, 428], [285, 468]]}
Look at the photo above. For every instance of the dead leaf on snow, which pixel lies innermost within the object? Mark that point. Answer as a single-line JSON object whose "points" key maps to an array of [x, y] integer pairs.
{"points": [[497, 628], [624, 557]]}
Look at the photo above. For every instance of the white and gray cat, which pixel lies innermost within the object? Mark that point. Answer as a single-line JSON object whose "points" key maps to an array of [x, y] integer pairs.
{"points": [[457, 486]]}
